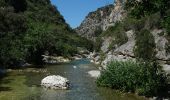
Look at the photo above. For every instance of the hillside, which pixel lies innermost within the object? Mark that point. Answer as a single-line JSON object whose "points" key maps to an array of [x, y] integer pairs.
{"points": [[133, 48], [31, 28], [99, 20], [119, 40], [127, 46]]}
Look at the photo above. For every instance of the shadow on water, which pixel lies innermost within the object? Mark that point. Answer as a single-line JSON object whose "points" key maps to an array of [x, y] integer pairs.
{"points": [[6, 81], [5, 89]]}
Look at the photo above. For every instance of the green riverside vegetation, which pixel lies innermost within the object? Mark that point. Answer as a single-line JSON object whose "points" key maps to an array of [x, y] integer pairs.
{"points": [[145, 45], [144, 76], [29, 28]]}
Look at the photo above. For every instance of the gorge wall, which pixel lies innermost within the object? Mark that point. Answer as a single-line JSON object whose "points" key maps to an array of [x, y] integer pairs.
{"points": [[118, 42], [99, 20]]}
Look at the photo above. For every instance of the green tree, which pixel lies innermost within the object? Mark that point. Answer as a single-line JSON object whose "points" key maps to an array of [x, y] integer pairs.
{"points": [[145, 46], [12, 29], [141, 8]]}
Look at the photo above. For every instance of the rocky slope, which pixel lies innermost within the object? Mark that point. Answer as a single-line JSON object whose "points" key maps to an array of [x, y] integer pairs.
{"points": [[110, 50], [100, 20]]}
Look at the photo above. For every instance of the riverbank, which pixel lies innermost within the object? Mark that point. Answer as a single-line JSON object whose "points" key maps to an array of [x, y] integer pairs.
{"points": [[25, 85]]}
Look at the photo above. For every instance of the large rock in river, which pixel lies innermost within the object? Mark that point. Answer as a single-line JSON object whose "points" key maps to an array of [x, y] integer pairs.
{"points": [[55, 82]]}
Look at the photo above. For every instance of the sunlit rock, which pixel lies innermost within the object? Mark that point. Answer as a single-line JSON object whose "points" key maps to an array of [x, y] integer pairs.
{"points": [[55, 82], [94, 73]]}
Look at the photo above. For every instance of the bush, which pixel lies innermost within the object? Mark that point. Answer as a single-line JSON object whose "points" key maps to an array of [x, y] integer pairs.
{"points": [[143, 78], [117, 32], [98, 31], [166, 22], [130, 23], [143, 8], [12, 29], [145, 45], [98, 43]]}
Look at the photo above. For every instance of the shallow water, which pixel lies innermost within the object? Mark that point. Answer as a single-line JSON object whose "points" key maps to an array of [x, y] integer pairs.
{"points": [[83, 86]]}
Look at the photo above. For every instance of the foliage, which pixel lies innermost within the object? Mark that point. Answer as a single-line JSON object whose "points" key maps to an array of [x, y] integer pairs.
{"points": [[157, 10], [145, 45], [12, 27], [98, 32], [167, 25], [142, 8], [19, 5], [97, 44], [118, 35], [166, 22], [102, 56], [29, 28], [143, 78]]}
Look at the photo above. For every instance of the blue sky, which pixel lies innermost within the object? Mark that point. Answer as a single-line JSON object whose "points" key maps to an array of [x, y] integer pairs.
{"points": [[74, 11]]}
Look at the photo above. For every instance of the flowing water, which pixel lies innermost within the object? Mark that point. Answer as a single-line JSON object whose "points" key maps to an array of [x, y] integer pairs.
{"points": [[26, 86]]}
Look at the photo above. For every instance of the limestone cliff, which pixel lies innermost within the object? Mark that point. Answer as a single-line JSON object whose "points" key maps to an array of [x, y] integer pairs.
{"points": [[119, 42], [100, 20]]}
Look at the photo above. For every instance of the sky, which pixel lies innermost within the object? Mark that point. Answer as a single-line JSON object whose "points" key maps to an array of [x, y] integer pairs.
{"points": [[75, 11]]}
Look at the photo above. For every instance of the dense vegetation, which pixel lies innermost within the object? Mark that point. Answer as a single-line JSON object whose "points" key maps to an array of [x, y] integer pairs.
{"points": [[117, 33], [145, 46], [143, 78], [29, 28], [144, 8]]}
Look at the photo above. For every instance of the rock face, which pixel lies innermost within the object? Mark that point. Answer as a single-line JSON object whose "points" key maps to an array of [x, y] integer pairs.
{"points": [[161, 45], [108, 16], [100, 20], [123, 52], [55, 82], [106, 43], [95, 21]]}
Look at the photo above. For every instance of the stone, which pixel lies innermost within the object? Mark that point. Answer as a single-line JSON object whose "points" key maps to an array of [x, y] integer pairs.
{"points": [[74, 67], [55, 59], [97, 20], [161, 44], [106, 43], [94, 73], [55, 82]]}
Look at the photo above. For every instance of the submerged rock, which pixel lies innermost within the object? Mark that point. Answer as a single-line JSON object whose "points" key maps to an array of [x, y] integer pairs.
{"points": [[94, 73], [55, 82]]}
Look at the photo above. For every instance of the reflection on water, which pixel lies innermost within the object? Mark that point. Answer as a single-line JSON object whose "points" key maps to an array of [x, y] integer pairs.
{"points": [[83, 86]]}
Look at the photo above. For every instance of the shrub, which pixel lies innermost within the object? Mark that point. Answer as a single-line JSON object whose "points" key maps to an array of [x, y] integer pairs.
{"points": [[102, 56], [166, 22], [143, 78], [135, 24], [97, 44], [142, 8], [117, 32], [145, 45], [153, 21], [12, 29], [97, 31]]}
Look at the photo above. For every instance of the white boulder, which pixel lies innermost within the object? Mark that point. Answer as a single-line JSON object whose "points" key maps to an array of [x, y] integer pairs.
{"points": [[55, 82], [94, 73]]}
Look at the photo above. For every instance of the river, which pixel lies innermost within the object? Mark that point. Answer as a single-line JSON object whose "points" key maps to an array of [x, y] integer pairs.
{"points": [[26, 85]]}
